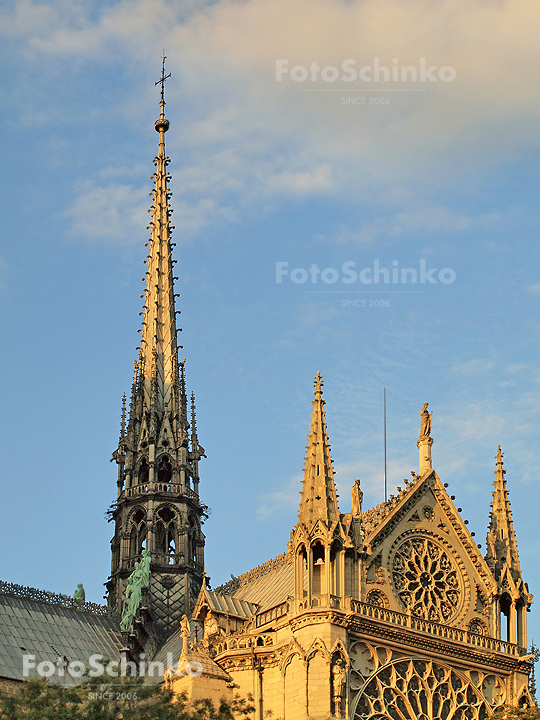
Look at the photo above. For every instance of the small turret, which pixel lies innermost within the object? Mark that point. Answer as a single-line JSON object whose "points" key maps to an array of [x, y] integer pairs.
{"points": [[513, 598], [320, 541]]}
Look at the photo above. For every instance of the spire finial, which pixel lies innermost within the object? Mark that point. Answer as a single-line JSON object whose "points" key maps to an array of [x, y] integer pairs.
{"points": [[161, 82], [318, 383], [162, 125]]}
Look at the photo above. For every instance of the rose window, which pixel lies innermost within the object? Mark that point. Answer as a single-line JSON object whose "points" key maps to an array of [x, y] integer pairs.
{"points": [[420, 690], [426, 579]]}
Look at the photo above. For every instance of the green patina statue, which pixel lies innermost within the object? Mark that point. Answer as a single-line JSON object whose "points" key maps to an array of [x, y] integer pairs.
{"points": [[139, 579], [79, 595]]}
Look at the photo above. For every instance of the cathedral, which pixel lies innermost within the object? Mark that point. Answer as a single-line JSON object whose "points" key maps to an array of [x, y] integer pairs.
{"points": [[383, 612]]}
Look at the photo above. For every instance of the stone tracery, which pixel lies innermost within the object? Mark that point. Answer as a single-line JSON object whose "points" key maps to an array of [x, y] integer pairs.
{"points": [[426, 579], [419, 690]]}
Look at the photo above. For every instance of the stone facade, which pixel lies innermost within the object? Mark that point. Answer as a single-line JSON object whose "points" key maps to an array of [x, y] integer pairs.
{"points": [[390, 612]]}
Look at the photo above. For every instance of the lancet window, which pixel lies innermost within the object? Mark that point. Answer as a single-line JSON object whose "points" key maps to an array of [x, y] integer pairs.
{"points": [[144, 472], [192, 539], [165, 471], [137, 534], [166, 536]]}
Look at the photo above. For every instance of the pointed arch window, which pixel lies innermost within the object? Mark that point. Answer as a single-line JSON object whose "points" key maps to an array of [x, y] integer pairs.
{"points": [[165, 470], [318, 569], [301, 572], [507, 619], [144, 472], [137, 536], [336, 568], [193, 533], [166, 536]]}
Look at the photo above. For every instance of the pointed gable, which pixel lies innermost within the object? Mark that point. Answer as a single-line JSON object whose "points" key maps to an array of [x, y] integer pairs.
{"points": [[423, 559]]}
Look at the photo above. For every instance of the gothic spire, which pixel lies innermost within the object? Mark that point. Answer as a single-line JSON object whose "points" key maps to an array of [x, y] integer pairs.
{"points": [[158, 505], [501, 539], [158, 362], [318, 497]]}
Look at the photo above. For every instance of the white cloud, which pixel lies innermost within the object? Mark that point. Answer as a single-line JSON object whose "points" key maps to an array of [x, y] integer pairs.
{"points": [[244, 138], [119, 213], [286, 498], [112, 211], [534, 289], [234, 46]]}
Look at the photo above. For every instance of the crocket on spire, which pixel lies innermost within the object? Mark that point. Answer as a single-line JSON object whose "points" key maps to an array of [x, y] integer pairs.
{"points": [[158, 504], [318, 497], [501, 539]]}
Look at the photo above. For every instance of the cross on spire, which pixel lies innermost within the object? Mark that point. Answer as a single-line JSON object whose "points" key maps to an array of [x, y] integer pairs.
{"points": [[163, 77]]}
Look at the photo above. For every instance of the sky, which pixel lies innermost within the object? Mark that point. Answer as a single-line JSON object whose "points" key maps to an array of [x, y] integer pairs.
{"points": [[324, 153]]}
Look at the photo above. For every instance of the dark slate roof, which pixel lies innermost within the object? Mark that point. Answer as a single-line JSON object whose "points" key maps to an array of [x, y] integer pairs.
{"points": [[50, 626], [170, 651], [230, 605], [272, 588]]}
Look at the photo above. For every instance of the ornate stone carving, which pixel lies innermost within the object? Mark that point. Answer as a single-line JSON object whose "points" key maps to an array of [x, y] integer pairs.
{"points": [[377, 597], [419, 690], [478, 626], [30, 593], [426, 579]]}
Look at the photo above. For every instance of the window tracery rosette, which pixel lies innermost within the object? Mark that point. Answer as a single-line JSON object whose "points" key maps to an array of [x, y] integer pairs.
{"points": [[377, 597], [477, 625], [410, 689], [428, 577]]}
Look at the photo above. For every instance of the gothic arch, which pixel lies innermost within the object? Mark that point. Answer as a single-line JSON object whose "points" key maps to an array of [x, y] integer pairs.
{"points": [[294, 686], [166, 523], [411, 689], [292, 649], [137, 514], [143, 472], [192, 537], [318, 680], [339, 649], [164, 469], [137, 531], [318, 646]]}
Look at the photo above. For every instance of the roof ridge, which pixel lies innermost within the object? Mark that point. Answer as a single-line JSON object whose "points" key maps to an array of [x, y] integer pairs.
{"points": [[254, 574], [30, 593]]}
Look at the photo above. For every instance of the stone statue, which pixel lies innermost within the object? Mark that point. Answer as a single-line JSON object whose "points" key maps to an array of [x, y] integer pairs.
{"points": [[425, 422], [139, 579], [79, 595], [144, 565], [185, 631], [357, 496], [339, 677]]}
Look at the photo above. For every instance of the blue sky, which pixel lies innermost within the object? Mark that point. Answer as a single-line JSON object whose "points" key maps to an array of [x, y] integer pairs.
{"points": [[267, 172]]}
